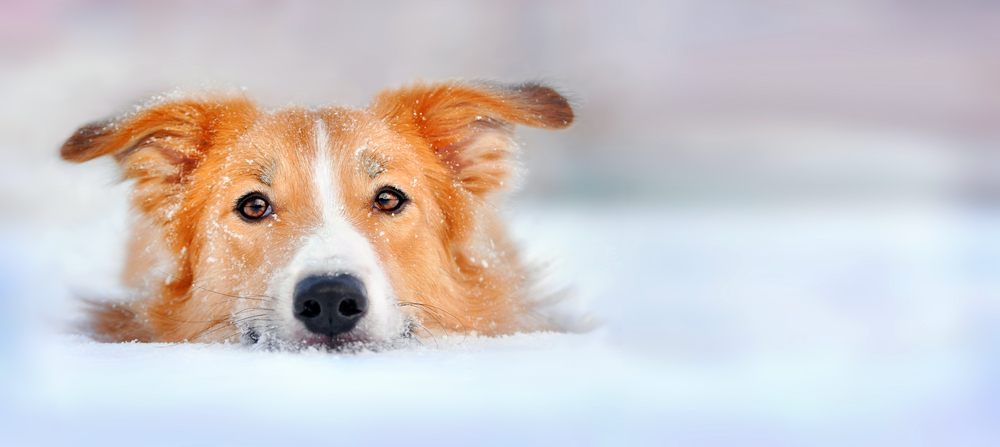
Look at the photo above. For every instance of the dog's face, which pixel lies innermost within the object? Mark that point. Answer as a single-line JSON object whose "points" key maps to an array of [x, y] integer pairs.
{"points": [[324, 214], [326, 226]]}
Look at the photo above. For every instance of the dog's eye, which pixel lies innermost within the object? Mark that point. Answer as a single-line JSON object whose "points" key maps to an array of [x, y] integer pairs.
{"points": [[253, 207], [389, 200]]}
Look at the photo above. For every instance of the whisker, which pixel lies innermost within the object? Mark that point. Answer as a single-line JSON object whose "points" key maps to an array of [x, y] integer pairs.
{"points": [[235, 326], [431, 309], [214, 320], [242, 297], [438, 309], [428, 331], [429, 312]]}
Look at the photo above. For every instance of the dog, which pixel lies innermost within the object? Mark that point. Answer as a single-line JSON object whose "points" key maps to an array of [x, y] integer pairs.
{"points": [[321, 227]]}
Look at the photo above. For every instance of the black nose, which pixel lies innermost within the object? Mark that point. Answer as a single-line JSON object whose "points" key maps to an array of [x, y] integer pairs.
{"points": [[330, 305]]}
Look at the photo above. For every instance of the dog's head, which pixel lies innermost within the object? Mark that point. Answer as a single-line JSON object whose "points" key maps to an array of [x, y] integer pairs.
{"points": [[328, 225]]}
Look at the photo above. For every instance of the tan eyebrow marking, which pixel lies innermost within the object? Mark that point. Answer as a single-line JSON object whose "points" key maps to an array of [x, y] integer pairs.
{"points": [[264, 172], [371, 163]]}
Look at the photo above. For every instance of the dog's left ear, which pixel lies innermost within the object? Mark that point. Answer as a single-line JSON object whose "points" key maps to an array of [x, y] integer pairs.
{"points": [[470, 126]]}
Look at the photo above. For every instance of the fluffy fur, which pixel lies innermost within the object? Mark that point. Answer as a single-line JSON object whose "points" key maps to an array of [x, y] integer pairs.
{"points": [[442, 264]]}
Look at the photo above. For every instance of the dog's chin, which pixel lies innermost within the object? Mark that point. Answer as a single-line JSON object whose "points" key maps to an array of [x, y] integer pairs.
{"points": [[353, 341], [342, 342]]}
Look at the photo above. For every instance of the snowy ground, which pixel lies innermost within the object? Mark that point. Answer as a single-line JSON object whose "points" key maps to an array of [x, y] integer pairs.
{"points": [[720, 326]]}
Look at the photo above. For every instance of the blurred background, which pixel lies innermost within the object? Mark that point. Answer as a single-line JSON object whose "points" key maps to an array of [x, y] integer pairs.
{"points": [[786, 214]]}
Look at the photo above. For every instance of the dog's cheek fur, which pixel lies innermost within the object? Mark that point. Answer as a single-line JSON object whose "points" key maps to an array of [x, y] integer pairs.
{"points": [[160, 148], [116, 322]]}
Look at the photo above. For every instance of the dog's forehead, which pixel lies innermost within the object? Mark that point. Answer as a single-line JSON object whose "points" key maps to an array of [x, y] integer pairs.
{"points": [[294, 134]]}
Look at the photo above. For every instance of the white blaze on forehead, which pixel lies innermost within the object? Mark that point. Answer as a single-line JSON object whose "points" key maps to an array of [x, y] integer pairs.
{"points": [[326, 188]]}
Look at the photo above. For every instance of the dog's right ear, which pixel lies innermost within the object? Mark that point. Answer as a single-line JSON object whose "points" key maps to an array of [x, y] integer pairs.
{"points": [[160, 145], [163, 142]]}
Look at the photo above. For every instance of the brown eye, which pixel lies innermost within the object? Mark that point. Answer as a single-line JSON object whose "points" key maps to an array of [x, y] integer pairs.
{"points": [[253, 207], [390, 200]]}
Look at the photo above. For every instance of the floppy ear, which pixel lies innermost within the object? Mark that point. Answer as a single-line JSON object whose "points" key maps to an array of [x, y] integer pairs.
{"points": [[470, 126], [160, 145]]}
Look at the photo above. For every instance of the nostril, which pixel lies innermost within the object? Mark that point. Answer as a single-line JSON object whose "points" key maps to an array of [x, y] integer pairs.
{"points": [[310, 309], [349, 308]]}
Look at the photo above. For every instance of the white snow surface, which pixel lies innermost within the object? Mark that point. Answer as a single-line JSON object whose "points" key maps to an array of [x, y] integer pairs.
{"points": [[719, 326]]}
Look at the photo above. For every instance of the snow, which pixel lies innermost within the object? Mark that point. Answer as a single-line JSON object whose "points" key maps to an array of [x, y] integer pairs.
{"points": [[718, 327]]}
